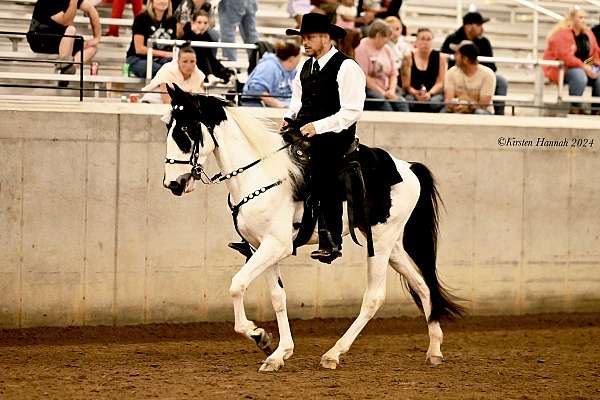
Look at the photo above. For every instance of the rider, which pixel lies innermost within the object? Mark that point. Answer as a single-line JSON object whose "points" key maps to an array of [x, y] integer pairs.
{"points": [[327, 100]]}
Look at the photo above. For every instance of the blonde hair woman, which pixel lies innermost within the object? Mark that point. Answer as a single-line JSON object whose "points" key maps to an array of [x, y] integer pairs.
{"points": [[156, 22], [573, 42]]}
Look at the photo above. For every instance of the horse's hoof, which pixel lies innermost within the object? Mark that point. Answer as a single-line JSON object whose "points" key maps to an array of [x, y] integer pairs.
{"points": [[263, 340], [270, 366], [435, 360], [329, 363]]}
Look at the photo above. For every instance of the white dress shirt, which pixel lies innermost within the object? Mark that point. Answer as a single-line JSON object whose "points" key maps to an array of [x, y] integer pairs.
{"points": [[351, 82]]}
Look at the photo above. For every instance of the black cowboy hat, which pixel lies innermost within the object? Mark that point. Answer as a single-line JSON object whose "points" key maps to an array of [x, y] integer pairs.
{"points": [[317, 23]]}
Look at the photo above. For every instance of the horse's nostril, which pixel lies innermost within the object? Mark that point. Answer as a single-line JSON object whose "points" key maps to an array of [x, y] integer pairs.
{"points": [[176, 188]]}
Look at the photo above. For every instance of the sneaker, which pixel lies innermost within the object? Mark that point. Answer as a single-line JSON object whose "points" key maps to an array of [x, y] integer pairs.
{"points": [[64, 68]]}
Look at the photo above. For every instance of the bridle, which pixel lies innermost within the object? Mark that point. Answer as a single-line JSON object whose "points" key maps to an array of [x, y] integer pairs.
{"points": [[198, 172]]}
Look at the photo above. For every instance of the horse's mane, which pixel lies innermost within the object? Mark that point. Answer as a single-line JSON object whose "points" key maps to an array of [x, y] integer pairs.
{"points": [[263, 136]]}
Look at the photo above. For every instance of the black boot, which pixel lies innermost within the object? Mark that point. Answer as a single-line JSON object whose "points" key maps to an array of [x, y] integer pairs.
{"points": [[330, 244]]}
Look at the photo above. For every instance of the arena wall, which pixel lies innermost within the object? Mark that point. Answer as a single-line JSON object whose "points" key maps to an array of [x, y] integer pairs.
{"points": [[88, 235]]}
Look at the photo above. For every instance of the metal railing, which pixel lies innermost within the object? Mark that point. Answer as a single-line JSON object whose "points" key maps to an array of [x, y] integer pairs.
{"points": [[78, 39]]}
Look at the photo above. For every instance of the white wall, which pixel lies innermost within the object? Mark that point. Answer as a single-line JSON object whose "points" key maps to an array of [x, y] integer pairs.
{"points": [[89, 236]]}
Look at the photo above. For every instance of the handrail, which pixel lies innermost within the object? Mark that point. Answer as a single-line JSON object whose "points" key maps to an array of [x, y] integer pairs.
{"points": [[536, 7], [538, 96], [76, 37], [194, 43]]}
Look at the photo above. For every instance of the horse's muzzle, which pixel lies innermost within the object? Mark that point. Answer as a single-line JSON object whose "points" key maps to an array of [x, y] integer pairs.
{"points": [[183, 184]]}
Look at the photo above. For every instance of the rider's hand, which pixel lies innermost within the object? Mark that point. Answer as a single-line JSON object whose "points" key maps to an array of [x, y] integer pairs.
{"points": [[308, 130], [283, 125]]}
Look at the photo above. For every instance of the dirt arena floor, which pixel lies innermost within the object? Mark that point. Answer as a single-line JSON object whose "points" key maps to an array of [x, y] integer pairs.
{"points": [[549, 356]]}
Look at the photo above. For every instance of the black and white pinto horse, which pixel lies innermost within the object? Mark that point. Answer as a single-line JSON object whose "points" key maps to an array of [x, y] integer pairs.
{"points": [[262, 180]]}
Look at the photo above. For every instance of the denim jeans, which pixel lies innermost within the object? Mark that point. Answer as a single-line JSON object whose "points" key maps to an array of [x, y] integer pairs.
{"points": [[397, 105], [137, 65], [501, 90], [435, 104], [577, 81], [233, 13]]}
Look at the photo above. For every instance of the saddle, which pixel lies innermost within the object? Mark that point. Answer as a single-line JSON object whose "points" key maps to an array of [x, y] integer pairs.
{"points": [[365, 182]]}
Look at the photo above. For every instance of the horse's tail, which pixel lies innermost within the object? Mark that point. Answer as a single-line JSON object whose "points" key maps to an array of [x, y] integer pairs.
{"points": [[420, 242]]}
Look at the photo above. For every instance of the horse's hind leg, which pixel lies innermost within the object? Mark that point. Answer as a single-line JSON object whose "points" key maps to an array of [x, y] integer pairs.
{"points": [[372, 299], [405, 266], [285, 349]]}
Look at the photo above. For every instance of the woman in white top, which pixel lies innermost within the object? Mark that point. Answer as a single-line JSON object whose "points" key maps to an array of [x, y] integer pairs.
{"points": [[182, 70]]}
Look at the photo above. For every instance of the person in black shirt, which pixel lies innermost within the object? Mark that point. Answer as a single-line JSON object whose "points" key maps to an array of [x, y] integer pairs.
{"points": [[198, 30], [596, 30], [51, 20], [156, 22], [472, 30], [423, 75]]}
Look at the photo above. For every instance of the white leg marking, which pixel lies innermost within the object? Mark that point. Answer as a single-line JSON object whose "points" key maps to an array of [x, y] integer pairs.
{"points": [[285, 349], [374, 294], [405, 266], [267, 254]]}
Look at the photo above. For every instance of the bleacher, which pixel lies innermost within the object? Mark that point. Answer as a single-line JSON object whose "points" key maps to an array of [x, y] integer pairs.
{"points": [[510, 32]]}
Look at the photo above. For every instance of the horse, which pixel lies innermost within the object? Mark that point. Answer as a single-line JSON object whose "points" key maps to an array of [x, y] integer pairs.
{"points": [[262, 178]]}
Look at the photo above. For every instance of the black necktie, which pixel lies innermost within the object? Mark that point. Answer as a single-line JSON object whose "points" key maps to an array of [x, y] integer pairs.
{"points": [[315, 68]]}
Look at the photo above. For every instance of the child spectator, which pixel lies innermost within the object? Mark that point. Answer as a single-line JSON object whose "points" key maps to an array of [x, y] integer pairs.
{"points": [[185, 12], [271, 80], [469, 86], [198, 30], [572, 42], [377, 61], [346, 14], [118, 6], [156, 22], [397, 43], [425, 73], [182, 70]]}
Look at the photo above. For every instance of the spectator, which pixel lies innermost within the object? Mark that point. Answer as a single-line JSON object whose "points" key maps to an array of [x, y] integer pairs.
{"points": [[377, 61], [240, 13], [472, 30], [156, 22], [349, 43], [118, 6], [425, 74], [182, 71], [55, 17], [272, 77], [346, 14], [397, 43], [469, 86], [198, 30], [297, 8], [389, 8], [185, 11], [572, 42], [596, 30]]}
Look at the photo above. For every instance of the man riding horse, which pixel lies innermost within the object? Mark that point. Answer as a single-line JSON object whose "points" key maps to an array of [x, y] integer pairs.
{"points": [[327, 101]]}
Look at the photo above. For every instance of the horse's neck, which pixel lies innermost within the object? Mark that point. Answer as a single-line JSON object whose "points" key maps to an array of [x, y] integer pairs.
{"points": [[235, 151]]}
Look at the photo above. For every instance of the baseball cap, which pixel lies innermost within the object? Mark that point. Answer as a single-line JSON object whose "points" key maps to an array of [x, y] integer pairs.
{"points": [[474, 18]]}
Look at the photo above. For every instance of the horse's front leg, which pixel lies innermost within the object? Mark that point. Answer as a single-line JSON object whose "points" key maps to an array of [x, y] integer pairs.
{"points": [[268, 254], [285, 349]]}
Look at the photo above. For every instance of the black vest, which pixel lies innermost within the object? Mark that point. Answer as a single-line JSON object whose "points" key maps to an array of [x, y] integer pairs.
{"points": [[320, 94]]}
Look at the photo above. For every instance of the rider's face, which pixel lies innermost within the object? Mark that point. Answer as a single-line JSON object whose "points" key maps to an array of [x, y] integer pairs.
{"points": [[314, 43]]}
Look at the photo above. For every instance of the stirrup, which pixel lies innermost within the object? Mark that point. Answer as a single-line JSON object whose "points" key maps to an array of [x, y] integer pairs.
{"points": [[326, 255]]}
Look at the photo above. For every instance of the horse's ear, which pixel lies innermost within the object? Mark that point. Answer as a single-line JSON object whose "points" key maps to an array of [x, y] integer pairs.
{"points": [[171, 92]]}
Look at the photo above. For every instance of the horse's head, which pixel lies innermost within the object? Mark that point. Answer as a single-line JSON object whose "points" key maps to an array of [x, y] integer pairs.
{"points": [[191, 138]]}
